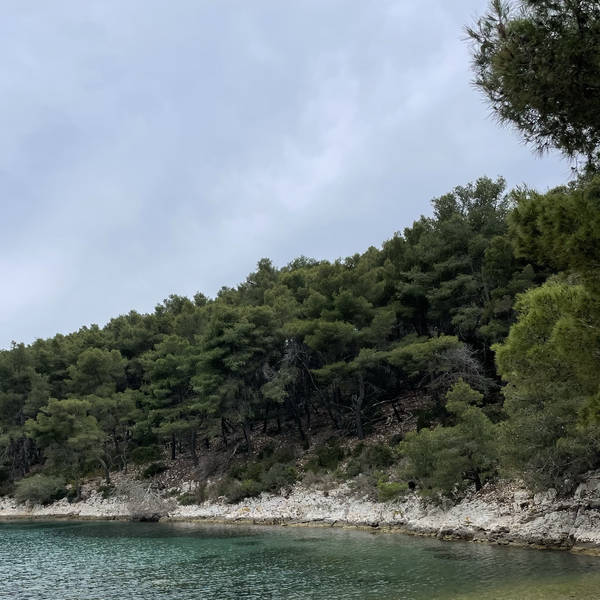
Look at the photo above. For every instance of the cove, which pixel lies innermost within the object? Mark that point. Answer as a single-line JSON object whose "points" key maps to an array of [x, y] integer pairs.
{"points": [[114, 560]]}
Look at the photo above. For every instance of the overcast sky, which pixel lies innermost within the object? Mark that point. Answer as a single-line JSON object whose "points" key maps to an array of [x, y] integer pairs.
{"points": [[152, 147]]}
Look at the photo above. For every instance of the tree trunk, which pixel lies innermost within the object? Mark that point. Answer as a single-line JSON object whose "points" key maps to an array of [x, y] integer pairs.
{"points": [[246, 435], [396, 413], [358, 401], [477, 480], [173, 447], [105, 464], [223, 431], [106, 472], [193, 448]]}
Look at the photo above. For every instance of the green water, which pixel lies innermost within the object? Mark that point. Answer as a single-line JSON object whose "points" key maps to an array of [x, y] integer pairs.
{"points": [[130, 561]]}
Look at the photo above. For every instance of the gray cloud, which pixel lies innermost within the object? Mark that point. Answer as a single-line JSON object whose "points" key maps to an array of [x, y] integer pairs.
{"points": [[152, 147]]}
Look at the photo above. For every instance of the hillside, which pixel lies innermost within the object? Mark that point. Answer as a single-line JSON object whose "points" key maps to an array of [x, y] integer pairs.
{"points": [[467, 345]]}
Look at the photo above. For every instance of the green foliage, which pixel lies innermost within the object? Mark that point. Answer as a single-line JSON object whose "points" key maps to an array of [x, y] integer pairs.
{"points": [[445, 460], [407, 329], [325, 458], [97, 371], [275, 470], [40, 489], [154, 469], [342, 346], [279, 476], [235, 490], [390, 490], [366, 458], [145, 454], [538, 63], [196, 496], [561, 228], [550, 361], [70, 435]]}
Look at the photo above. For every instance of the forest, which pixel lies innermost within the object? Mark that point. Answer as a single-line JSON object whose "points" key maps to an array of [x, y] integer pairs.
{"points": [[473, 335]]}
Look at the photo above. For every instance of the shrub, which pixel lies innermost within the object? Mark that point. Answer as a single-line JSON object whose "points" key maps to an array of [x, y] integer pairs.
{"points": [[106, 491], [40, 489], [366, 458], [5, 481], [266, 452], [364, 486], [145, 454], [154, 469], [235, 490], [253, 470], [279, 476], [446, 460], [325, 458], [378, 455], [285, 455], [319, 481], [390, 490], [197, 496], [249, 470], [4, 475]]}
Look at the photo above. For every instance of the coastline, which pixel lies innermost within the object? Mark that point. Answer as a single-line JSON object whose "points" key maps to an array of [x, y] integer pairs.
{"points": [[505, 513]]}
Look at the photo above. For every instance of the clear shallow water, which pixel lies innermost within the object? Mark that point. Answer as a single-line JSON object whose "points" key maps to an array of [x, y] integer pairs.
{"points": [[131, 561]]}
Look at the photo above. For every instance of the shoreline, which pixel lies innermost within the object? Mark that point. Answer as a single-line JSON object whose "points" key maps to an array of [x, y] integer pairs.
{"points": [[593, 550], [503, 514]]}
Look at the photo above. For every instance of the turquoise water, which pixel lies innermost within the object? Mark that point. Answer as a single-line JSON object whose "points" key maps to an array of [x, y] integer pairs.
{"points": [[130, 561]]}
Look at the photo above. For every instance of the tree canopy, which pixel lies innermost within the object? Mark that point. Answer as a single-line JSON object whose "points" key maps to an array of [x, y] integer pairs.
{"points": [[538, 64]]}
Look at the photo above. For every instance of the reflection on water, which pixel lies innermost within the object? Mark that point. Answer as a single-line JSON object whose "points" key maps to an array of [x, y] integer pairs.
{"points": [[110, 560]]}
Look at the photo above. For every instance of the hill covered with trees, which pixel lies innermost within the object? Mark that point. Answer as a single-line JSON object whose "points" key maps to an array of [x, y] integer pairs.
{"points": [[473, 336]]}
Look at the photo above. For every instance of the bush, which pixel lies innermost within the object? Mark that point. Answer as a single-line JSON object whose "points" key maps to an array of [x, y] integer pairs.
{"points": [[197, 496], [378, 455], [364, 486], [390, 490], [5, 481], [285, 455], [154, 469], [325, 458], [145, 454], [235, 490], [248, 470], [266, 452], [447, 460], [279, 476], [253, 470], [106, 491], [4, 475], [319, 481], [40, 489], [366, 458]]}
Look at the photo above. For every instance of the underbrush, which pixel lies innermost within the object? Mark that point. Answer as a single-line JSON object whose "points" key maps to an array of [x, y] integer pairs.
{"points": [[155, 468], [195, 496], [272, 471], [368, 469], [40, 489]]}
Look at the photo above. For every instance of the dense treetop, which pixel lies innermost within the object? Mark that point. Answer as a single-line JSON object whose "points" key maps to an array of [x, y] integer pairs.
{"points": [[538, 64]]}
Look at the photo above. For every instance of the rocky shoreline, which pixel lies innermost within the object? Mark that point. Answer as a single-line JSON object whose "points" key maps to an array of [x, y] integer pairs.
{"points": [[504, 513]]}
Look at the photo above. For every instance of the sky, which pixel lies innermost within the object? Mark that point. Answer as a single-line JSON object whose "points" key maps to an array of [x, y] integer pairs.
{"points": [[153, 147]]}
